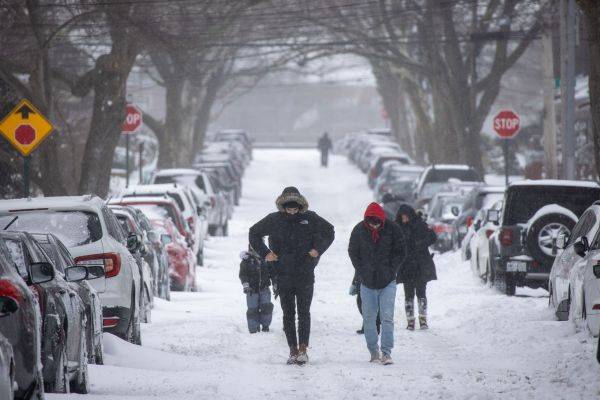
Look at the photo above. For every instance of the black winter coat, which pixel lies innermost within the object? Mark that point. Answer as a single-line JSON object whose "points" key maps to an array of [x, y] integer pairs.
{"points": [[376, 264], [418, 265], [291, 237], [256, 272]]}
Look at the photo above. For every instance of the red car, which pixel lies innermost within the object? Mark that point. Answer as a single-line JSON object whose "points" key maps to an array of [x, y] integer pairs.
{"points": [[182, 263]]}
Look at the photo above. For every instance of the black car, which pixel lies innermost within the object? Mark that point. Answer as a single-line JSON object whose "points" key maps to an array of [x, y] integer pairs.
{"points": [[64, 339], [19, 324], [534, 215], [93, 307]]}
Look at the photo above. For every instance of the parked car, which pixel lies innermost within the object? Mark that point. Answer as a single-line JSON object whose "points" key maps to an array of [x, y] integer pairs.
{"points": [[534, 215], [479, 197], [227, 177], [479, 242], [445, 207], [8, 305], [93, 236], [435, 177], [64, 335], [398, 180], [62, 259], [380, 160], [182, 269], [20, 323], [237, 135]]}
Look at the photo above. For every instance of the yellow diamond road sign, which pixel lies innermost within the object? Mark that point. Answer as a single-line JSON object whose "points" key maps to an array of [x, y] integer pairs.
{"points": [[25, 127]]}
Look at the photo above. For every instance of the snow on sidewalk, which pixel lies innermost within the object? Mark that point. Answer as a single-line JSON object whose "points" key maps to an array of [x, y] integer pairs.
{"points": [[481, 345]]}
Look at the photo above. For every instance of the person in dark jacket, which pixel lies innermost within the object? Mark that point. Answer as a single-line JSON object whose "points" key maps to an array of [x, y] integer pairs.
{"points": [[297, 239], [256, 281], [325, 146], [418, 267], [376, 250]]}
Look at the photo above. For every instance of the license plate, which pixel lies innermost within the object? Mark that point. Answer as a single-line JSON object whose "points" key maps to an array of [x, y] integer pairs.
{"points": [[516, 266]]}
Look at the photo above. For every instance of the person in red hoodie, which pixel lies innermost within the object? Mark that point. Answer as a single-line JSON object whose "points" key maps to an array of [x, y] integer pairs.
{"points": [[377, 250]]}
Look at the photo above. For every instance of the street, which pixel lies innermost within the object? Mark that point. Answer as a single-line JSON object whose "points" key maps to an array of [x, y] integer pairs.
{"points": [[481, 344]]}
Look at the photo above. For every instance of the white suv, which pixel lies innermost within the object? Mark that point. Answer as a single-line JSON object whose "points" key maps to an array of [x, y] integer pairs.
{"points": [[93, 236]]}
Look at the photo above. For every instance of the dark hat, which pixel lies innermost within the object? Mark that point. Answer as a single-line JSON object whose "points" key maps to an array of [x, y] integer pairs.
{"points": [[291, 195]]}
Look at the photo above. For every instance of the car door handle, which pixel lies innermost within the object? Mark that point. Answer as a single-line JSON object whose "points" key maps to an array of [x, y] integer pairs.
{"points": [[72, 294], [62, 291]]}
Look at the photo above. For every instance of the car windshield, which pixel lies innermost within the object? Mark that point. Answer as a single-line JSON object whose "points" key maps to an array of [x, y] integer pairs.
{"points": [[524, 201], [412, 175], [15, 250], [443, 175], [429, 189], [156, 211], [490, 198], [73, 228], [401, 186]]}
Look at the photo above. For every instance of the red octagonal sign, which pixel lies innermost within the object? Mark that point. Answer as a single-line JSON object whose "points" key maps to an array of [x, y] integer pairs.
{"points": [[25, 134], [507, 124], [133, 119]]}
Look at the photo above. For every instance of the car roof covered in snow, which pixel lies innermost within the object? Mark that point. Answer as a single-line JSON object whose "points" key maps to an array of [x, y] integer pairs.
{"points": [[556, 182], [141, 199], [407, 168], [176, 171], [56, 202], [449, 166]]}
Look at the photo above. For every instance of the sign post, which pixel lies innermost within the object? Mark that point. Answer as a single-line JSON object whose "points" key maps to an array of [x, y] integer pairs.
{"points": [[506, 125], [133, 121], [25, 128]]}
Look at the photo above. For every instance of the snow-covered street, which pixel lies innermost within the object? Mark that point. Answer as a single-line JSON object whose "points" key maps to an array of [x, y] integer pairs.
{"points": [[481, 344]]}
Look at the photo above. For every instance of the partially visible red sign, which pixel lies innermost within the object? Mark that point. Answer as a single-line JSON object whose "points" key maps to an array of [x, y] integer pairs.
{"points": [[507, 124], [133, 119]]}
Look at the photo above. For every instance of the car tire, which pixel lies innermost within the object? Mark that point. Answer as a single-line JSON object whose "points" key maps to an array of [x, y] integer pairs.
{"points": [[490, 275], [212, 230], [510, 286], [200, 258], [99, 352], [81, 382], [133, 334], [553, 222], [60, 383]]}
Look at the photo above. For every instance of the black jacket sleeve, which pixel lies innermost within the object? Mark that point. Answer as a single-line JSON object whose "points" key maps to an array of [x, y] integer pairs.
{"points": [[325, 234], [257, 232], [354, 248], [244, 272], [399, 249], [425, 237]]}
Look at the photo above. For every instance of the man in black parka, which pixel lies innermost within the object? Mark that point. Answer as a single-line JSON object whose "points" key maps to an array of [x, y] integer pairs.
{"points": [[418, 268], [297, 239]]}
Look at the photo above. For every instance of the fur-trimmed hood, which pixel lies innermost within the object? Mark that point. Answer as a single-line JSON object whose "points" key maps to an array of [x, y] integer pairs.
{"points": [[291, 194]]}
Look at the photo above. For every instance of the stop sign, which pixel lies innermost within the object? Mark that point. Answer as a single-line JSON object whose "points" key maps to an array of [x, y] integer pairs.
{"points": [[507, 124], [133, 119]]}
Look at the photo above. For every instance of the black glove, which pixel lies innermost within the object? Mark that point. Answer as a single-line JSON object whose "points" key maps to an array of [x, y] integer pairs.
{"points": [[247, 288]]}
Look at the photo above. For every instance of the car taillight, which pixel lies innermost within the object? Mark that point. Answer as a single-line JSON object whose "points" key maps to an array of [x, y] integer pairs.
{"points": [[441, 228], [111, 262], [9, 289], [596, 307], [489, 232], [506, 237], [110, 322], [470, 221]]}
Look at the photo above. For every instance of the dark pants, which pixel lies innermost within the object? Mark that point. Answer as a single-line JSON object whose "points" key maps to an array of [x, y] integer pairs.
{"points": [[260, 310], [290, 298], [324, 158], [359, 305], [411, 289]]}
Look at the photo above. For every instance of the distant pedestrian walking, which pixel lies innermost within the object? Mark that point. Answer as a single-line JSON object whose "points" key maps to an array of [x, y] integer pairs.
{"points": [[256, 279], [418, 267], [297, 239], [325, 146], [377, 250]]}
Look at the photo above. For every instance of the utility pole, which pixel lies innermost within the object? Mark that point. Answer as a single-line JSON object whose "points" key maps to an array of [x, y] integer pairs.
{"points": [[549, 106], [567, 85]]}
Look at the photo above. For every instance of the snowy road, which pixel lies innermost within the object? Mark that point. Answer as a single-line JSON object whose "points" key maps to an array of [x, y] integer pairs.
{"points": [[481, 345]]}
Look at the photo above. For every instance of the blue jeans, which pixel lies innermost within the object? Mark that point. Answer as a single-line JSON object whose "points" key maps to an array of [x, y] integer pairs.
{"points": [[382, 301], [260, 310]]}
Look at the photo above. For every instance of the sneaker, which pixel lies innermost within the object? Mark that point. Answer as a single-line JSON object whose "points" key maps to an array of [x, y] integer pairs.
{"points": [[293, 356], [302, 357], [375, 357], [386, 359], [411, 324], [423, 322]]}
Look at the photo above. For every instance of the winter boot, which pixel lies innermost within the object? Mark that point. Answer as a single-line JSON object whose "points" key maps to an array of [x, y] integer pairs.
{"points": [[410, 324], [265, 328], [423, 313], [386, 359], [375, 357], [293, 356], [409, 307], [302, 357]]}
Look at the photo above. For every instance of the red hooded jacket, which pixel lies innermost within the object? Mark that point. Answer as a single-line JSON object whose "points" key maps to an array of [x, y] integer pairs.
{"points": [[374, 210]]}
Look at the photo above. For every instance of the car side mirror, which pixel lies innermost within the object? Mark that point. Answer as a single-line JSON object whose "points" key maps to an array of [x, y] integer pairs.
{"points": [[95, 272], [455, 211], [8, 305], [581, 246], [133, 243], [76, 273], [493, 216], [41, 272]]}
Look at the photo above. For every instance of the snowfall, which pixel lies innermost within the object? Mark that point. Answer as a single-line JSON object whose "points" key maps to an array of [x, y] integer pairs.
{"points": [[480, 345]]}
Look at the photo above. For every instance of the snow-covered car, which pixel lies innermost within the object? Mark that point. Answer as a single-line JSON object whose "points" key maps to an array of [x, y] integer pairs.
{"points": [[7, 359], [185, 201], [445, 207], [436, 176], [574, 282], [93, 308], [479, 242], [64, 335], [93, 236], [235, 135], [21, 327], [394, 172], [377, 164], [534, 215]]}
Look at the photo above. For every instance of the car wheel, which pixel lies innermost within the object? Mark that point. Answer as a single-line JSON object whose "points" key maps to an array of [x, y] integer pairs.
{"points": [[550, 296], [490, 276], [510, 285], [167, 287], [60, 383], [99, 352], [212, 230], [200, 258], [147, 307], [134, 331], [543, 233], [81, 382]]}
